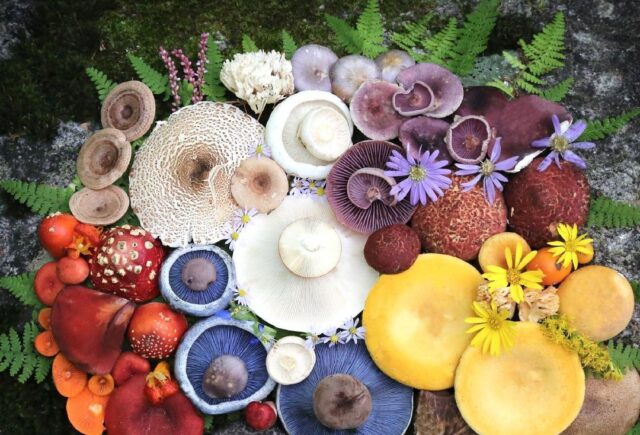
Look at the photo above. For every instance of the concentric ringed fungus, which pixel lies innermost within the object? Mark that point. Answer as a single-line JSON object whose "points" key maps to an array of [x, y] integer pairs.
{"points": [[289, 361], [198, 280], [103, 158], [99, 207], [304, 280], [131, 108], [220, 365], [180, 181], [259, 183]]}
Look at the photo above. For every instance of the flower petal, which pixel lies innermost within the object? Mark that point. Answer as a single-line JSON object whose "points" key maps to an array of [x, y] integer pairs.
{"points": [[575, 130], [583, 145], [572, 157], [547, 161], [541, 143], [508, 258], [497, 149], [516, 263], [527, 259], [556, 124]]}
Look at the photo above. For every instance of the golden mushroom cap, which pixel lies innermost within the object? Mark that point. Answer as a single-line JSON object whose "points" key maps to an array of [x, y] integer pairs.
{"points": [[415, 320]]}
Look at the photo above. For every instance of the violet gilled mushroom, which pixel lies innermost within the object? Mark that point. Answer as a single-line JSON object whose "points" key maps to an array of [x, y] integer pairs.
{"points": [[311, 65], [468, 139], [349, 72], [425, 79], [421, 133], [372, 110], [392, 62]]}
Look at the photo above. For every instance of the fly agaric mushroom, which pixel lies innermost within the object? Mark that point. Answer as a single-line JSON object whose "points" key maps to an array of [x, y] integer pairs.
{"points": [[349, 72], [259, 183], [372, 110], [311, 65], [345, 391], [468, 139], [290, 361], [127, 263], [198, 280], [311, 273], [155, 330], [220, 365], [392, 62], [180, 181], [421, 133], [129, 107], [307, 132], [99, 207], [103, 158]]}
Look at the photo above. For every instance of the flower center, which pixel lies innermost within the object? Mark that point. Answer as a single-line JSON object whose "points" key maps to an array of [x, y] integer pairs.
{"points": [[235, 235], [334, 339], [246, 218], [320, 191], [352, 330], [242, 292], [513, 276], [487, 167], [416, 173], [570, 246], [494, 322], [559, 143]]}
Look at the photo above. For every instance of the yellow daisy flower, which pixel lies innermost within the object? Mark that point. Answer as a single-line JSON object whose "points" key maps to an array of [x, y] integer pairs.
{"points": [[571, 245], [513, 276], [494, 331]]}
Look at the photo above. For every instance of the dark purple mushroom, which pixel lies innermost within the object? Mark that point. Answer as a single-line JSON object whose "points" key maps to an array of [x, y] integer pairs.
{"points": [[392, 62], [226, 376], [445, 86], [311, 65], [367, 185], [484, 101], [372, 110], [349, 72], [420, 134], [417, 100], [468, 139], [341, 402]]}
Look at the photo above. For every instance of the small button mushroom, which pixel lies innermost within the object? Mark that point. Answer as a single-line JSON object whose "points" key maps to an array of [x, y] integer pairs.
{"points": [[367, 185], [198, 273], [349, 72], [289, 361], [226, 376], [392, 62], [325, 133], [341, 402], [311, 64]]}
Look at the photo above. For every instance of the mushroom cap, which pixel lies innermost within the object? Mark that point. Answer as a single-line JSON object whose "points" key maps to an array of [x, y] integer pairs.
{"points": [[103, 158], [131, 108], [392, 62], [282, 132], [349, 72], [379, 214], [180, 181], [372, 110], [536, 388], [311, 65], [422, 133], [225, 377], [468, 139], [289, 361], [99, 207], [392, 403], [417, 100], [209, 339], [217, 294], [445, 85], [341, 402], [259, 183], [289, 301], [425, 304]]}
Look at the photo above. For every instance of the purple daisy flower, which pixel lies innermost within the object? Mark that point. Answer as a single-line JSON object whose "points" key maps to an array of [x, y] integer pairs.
{"points": [[561, 142], [488, 172], [424, 176]]}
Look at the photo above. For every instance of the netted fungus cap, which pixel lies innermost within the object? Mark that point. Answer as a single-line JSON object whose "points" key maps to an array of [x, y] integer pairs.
{"points": [[180, 181], [444, 85], [259, 183], [317, 281], [99, 207], [290, 361], [372, 110], [468, 139], [131, 108], [103, 158]]}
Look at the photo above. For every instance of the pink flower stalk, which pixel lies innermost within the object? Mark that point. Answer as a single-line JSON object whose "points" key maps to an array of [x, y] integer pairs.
{"points": [[202, 62], [173, 78]]}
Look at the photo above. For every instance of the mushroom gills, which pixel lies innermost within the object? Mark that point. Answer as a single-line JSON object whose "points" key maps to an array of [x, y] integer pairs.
{"points": [[225, 377], [198, 274], [416, 100], [367, 185], [341, 402], [325, 133], [468, 139]]}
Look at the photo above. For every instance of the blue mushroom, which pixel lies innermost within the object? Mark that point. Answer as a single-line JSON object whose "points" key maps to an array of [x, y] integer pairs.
{"points": [[198, 280]]}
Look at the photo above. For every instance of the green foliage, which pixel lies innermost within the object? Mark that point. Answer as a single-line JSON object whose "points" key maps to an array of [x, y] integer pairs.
{"points": [[40, 198], [599, 129], [439, 47], [635, 430], [212, 87], [346, 36], [185, 90], [558, 91], [248, 45], [288, 44], [157, 82], [208, 422], [635, 285], [101, 81], [608, 213], [367, 38], [624, 357], [412, 35], [20, 357], [263, 332], [21, 287]]}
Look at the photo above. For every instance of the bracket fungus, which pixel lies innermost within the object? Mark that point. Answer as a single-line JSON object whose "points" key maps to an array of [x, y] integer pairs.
{"points": [[180, 181], [259, 183], [131, 108], [302, 280], [345, 391], [220, 365], [468, 139], [537, 388], [311, 65], [103, 158], [359, 192], [372, 110], [198, 280], [290, 361], [99, 207], [421, 133], [392, 62], [349, 72]]}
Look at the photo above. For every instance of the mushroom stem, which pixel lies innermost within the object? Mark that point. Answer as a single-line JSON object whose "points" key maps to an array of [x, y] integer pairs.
{"points": [[325, 133], [341, 402], [225, 377], [367, 185]]}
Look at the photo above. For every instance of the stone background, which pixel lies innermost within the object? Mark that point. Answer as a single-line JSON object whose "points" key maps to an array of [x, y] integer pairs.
{"points": [[45, 46]]}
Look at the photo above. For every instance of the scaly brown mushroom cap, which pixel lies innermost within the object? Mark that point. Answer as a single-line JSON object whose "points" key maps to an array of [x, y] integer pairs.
{"points": [[103, 158], [259, 183], [99, 207], [131, 108]]}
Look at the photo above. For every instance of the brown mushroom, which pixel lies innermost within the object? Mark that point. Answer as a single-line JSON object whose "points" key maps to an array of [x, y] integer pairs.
{"points": [[99, 207], [131, 108], [259, 183], [103, 158]]}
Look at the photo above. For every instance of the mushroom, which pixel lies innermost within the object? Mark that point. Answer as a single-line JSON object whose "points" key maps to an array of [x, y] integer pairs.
{"points": [[417, 100], [392, 62], [99, 207], [421, 133], [345, 390], [259, 183], [131, 108], [468, 139], [289, 361], [359, 192], [307, 132], [198, 280], [372, 110], [349, 72], [103, 158], [220, 365], [429, 79], [310, 272], [311, 66], [180, 181]]}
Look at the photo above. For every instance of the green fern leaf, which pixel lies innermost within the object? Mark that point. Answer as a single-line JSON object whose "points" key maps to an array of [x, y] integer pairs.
{"points": [[599, 129], [19, 356], [157, 82], [288, 44], [526, 86], [624, 357], [30, 360], [41, 199], [635, 286], [513, 60], [346, 36], [503, 86], [185, 90], [248, 45], [212, 87], [559, 90], [208, 422], [371, 30], [43, 367], [545, 52], [608, 213], [21, 287], [101, 81], [412, 35], [439, 46]]}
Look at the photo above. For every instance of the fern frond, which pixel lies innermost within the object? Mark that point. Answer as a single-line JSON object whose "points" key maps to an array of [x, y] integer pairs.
{"points": [[208, 422], [371, 30], [412, 35], [19, 356], [513, 60], [288, 44], [608, 213], [624, 357], [40, 198], [558, 91], [157, 82], [439, 46], [503, 86], [545, 52], [635, 286], [248, 45], [101, 81], [346, 36], [129, 218], [185, 90], [635, 430], [21, 287], [212, 87], [599, 129]]}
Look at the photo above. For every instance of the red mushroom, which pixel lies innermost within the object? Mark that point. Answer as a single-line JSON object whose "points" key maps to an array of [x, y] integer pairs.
{"points": [[155, 330]]}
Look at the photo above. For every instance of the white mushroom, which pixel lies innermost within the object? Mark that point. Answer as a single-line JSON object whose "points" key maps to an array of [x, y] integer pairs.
{"points": [[289, 361]]}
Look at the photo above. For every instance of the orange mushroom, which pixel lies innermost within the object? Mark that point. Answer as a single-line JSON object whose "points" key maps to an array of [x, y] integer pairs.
{"points": [[86, 412], [101, 385], [68, 379], [44, 318], [45, 344]]}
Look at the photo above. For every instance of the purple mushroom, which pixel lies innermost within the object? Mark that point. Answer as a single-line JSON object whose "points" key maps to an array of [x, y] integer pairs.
{"points": [[416, 101], [392, 62], [311, 65], [372, 110], [468, 138], [421, 133], [349, 72]]}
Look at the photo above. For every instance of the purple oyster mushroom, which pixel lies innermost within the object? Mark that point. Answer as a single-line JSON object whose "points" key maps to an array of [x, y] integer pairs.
{"points": [[372, 110], [416, 101], [311, 65], [349, 72], [444, 85], [392, 62], [420, 133], [468, 139], [563, 138], [359, 192]]}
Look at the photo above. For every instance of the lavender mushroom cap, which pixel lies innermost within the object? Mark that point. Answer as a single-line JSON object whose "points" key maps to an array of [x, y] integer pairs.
{"points": [[420, 134], [311, 65], [468, 139], [417, 100], [392, 62], [349, 72], [445, 85], [372, 110]]}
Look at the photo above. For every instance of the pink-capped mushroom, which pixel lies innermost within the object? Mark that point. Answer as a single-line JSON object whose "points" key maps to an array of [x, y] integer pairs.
{"points": [[421, 133], [372, 110]]}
